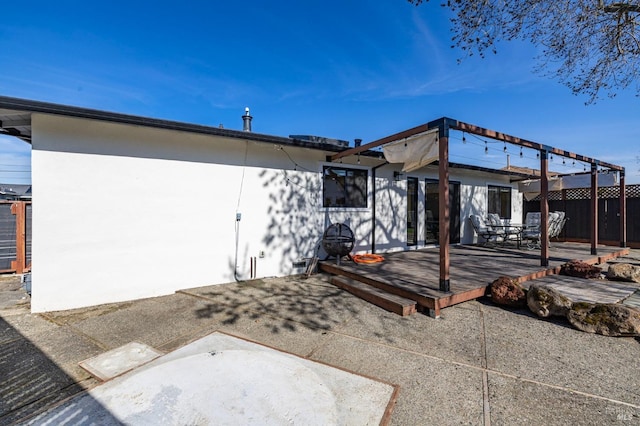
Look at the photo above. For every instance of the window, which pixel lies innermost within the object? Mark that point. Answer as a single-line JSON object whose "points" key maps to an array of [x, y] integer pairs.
{"points": [[412, 211], [343, 187], [500, 201]]}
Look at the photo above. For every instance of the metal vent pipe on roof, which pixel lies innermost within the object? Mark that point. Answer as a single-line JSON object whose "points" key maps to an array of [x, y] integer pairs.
{"points": [[246, 120]]}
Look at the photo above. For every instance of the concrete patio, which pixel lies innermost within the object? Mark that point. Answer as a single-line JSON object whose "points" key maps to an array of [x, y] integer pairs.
{"points": [[477, 364]]}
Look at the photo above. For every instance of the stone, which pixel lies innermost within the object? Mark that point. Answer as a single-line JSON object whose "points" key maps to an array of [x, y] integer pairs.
{"points": [[580, 269], [606, 319], [624, 272], [507, 291], [545, 301]]}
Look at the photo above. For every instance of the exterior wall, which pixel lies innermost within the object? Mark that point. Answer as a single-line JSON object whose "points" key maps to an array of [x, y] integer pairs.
{"points": [[391, 204], [123, 212], [126, 212]]}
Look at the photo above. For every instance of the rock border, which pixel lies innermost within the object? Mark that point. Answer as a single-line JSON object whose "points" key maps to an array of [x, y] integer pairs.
{"points": [[607, 319]]}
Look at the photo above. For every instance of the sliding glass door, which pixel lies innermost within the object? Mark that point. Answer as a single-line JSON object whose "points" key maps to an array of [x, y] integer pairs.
{"points": [[412, 211], [432, 212]]}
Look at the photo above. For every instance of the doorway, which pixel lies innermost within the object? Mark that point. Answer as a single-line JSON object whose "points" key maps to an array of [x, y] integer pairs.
{"points": [[432, 212], [412, 211]]}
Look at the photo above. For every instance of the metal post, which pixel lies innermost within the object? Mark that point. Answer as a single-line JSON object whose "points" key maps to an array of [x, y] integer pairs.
{"points": [[623, 211], [594, 208], [544, 207], [443, 205]]}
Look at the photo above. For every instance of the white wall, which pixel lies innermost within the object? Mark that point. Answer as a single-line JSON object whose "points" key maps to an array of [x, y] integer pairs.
{"points": [[391, 203], [124, 212]]}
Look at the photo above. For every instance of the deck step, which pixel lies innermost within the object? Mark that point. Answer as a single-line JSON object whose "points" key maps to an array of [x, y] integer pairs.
{"points": [[388, 301]]}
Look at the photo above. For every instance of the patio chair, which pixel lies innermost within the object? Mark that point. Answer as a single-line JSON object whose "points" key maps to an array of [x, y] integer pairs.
{"points": [[556, 228], [532, 232], [483, 229]]}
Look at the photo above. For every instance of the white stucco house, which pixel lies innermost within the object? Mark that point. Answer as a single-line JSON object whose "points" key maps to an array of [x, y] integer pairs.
{"points": [[127, 207]]}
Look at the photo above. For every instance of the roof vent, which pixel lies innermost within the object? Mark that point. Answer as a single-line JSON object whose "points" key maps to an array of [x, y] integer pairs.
{"points": [[246, 120], [321, 140]]}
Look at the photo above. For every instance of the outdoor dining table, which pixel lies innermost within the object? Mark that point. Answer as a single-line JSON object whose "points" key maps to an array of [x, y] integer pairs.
{"points": [[512, 229]]}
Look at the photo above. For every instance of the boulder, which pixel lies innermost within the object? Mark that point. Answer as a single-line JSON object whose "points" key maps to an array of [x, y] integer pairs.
{"points": [[580, 269], [507, 291], [606, 319], [545, 301], [624, 272]]}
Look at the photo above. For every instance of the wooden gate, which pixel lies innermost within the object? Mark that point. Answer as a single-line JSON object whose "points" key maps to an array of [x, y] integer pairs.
{"points": [[15, 236]]}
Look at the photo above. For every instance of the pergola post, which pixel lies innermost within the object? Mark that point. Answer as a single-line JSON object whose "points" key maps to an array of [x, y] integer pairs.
{"points": [[594, 208], [544, 207], [443, 205], [623, 211]]}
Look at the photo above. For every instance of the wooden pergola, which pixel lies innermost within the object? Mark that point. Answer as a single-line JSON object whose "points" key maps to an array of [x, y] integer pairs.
{"points": [[444, 126]]}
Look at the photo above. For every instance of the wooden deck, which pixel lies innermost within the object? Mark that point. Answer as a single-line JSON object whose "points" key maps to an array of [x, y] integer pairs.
{"points": [[414, 274]]}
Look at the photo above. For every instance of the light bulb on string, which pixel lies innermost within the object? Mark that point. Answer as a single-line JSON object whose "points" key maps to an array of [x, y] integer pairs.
{"points": [[464, 139], [486, 148], [505, 147], [520, 152], [538, 155]]}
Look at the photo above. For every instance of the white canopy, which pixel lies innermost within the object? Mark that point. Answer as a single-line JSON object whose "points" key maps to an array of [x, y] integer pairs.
{"points": [[531, 188], [415, 151]]}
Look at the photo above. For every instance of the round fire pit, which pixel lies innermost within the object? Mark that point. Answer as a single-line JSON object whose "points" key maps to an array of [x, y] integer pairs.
{"points": [[338, 240]]}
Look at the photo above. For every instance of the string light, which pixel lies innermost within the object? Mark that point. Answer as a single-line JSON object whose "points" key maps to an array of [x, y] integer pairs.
{"points": [[563, 162], [464, 139], [538, 155], [505, 147], [486, 148], [520, 152]]}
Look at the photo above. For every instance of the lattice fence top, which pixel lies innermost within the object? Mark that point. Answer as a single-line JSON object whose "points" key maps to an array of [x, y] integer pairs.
{"points": [[632, 191]]}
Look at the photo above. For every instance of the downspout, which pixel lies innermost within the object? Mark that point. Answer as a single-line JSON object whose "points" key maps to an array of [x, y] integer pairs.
{"points": [[373, 208]]}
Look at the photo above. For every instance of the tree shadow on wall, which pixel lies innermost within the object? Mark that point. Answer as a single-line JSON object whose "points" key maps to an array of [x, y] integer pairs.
{"points": [[296, 222]]}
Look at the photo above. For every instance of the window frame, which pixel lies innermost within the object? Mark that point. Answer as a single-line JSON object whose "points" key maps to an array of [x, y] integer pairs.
{"points": [[503, 211], [363, 172]]}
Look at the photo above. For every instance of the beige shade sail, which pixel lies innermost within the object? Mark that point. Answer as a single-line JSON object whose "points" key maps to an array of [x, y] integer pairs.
{"points": [[415, 151]]}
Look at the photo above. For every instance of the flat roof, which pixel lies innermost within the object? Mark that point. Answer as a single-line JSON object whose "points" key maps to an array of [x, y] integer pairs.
{"points": [[15, 120]]}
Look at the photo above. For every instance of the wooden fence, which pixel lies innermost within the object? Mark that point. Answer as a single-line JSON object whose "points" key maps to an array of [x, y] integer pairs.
{"points": [[15, 236], [577, 205]]}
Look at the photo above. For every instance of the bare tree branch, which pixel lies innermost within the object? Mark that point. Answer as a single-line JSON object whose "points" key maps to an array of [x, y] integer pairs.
{"points": [[591, 46]]}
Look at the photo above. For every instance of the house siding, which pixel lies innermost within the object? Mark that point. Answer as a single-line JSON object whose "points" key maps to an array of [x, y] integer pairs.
{"points": [[124, 211]]}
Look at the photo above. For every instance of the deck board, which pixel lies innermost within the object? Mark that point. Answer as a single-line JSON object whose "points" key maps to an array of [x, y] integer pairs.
{"points": [[589, 290], [415, 274]]}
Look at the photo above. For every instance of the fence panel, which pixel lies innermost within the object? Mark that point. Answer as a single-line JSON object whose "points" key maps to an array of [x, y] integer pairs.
{"points": [[7, 237], [576, 204], [27, 236]]}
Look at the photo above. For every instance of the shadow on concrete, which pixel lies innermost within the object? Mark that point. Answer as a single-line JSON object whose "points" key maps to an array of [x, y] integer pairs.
{"points": [[284, 306], [30, 382]]}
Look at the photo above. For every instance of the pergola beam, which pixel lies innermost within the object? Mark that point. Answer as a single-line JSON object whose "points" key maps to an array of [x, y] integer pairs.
{"points": [[444, 125], [492, 134]]}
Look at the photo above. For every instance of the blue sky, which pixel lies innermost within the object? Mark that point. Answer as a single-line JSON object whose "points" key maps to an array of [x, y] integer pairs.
{"points": [[342, 69]]}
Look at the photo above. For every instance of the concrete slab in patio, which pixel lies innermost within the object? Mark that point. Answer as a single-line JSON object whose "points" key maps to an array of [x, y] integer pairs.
{"points": [[478, 364]]}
